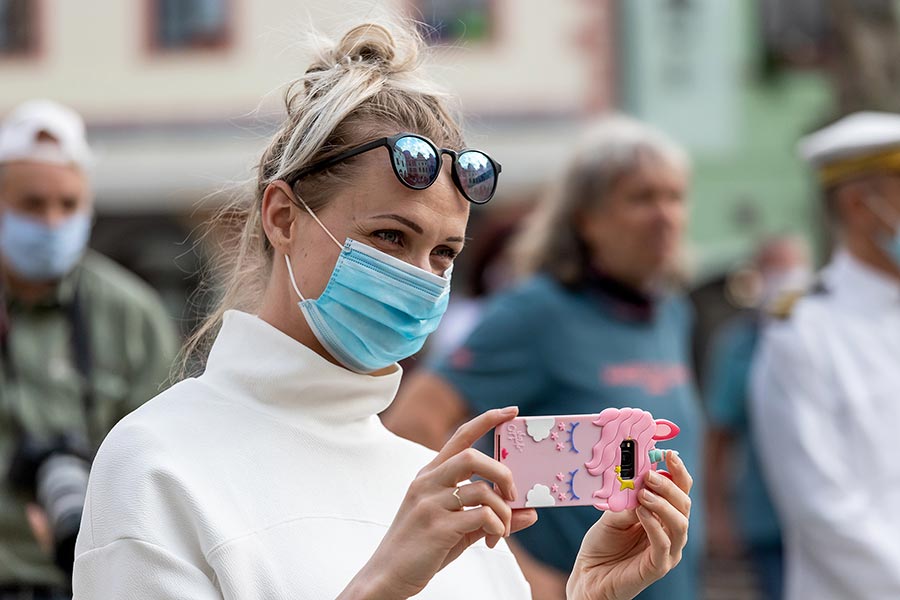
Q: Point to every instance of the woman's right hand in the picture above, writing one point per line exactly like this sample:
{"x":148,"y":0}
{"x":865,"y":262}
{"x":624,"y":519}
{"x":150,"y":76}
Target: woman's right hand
{"x":431,"y":529}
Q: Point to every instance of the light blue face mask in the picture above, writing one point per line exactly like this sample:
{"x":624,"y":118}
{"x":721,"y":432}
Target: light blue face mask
{"x":37,"y":252}
{"x":376,"y":309}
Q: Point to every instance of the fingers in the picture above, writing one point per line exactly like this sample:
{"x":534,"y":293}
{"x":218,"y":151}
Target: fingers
{"x":673,"y":521}
{"x":469,"y":433}
{"x":670,"y":491}
{"x":660,"y":544}
{"x":483,"y":520}
{"x":680,"y":475}
{"x":471,"y":462}
{"x":40,"y":526}
{"x":523,"y":519}
{"x":481,"y":493}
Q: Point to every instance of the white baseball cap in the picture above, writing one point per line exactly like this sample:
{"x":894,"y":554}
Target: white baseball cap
{"x":25,"y":131}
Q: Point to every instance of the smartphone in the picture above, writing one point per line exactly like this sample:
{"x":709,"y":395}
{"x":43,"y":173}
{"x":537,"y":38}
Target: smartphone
{"x":582,"y":460}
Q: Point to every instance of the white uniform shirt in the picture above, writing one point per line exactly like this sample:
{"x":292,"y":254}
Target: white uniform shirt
{"x":826,"y":409}
{"x":270,"y":476}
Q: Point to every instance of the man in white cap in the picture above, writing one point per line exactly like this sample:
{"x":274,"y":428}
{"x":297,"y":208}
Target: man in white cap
{"x":82,"y":342}
{"x":826,"y":383}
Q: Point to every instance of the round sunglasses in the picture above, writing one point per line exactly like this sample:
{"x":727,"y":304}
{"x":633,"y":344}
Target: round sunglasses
{"x":417,"y":163}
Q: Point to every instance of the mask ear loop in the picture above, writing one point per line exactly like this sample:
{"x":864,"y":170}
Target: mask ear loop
{"x":287,"y":259}
{"x":316,"y":219}
{"x":873,"y":203}
{"x":290,"y":269}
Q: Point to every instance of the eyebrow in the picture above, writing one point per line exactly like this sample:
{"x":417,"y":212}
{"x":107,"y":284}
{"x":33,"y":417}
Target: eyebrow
{"x":415,"y":226}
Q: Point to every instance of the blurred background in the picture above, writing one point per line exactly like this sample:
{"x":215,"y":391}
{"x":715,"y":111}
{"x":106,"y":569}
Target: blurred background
{"x":180,"y":97}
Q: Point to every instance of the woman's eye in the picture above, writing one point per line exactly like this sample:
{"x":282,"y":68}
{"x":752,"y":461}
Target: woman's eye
{"x":390,"y":236}
{"x":446,"y":252}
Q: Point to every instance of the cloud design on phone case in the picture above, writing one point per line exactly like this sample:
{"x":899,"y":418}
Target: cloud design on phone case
{"x":539,"y":427}
{"x":539,"y":496}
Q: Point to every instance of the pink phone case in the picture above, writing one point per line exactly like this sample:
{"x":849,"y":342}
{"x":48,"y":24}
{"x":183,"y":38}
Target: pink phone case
{"x":582,"y":460}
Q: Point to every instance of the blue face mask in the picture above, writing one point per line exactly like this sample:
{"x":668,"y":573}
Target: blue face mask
{"x":38,"y":252}
{"x":376,"y":309}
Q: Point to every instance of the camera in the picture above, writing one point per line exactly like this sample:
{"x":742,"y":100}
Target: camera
{"x":627,"y":460}
{"x":54,"y":472}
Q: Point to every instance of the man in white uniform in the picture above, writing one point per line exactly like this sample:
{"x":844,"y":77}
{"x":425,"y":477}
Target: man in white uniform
{"x":826,"y":382}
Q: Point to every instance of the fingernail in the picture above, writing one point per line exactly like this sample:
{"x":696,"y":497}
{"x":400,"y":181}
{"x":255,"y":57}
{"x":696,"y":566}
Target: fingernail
{"x":673,"y":458}
{"x":654,"y":478}
{"x":644,"y":512}
{"x":649,"y":497}
{"x":509,"y":410}
{"x":513,"y":493}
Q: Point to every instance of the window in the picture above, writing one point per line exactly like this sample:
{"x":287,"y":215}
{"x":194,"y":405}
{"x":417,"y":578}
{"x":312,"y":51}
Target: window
{"x":454,"y":21}
{"x":189,"y":24}
{"x":794,"y":34}
{"x":18,"y":27}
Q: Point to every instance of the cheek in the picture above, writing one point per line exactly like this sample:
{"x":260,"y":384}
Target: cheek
{"x":313,"y":265}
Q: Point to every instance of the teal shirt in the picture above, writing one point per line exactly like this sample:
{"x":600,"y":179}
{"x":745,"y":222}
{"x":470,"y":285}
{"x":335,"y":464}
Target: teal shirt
{"x":727,"y":383}
{"x":552,"y":350}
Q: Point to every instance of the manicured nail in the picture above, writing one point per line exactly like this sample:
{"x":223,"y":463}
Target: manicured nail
{"x":649,"y":497}
{"x":673,"y":458}
{"x":509,"y":410}
{"x":644,"y":512}
{"x":654,"y":478}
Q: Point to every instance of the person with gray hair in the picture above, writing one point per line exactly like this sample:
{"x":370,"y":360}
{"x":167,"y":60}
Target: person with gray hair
{"x":594,"y":325}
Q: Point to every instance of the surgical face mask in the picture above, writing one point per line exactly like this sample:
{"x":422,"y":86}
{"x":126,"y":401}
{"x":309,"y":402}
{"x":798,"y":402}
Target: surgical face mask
{"x":376,"y":309}
{"x":36,"y":251}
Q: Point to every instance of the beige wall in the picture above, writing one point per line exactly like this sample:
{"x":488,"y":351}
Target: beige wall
{"x":94,"y":57}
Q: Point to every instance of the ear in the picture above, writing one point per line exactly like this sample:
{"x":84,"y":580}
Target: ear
{"x":665,"y":430}
{"x":278,"y":214}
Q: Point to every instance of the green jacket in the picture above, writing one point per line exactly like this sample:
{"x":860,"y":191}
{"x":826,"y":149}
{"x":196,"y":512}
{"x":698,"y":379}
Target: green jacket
{"x":132,"y":343}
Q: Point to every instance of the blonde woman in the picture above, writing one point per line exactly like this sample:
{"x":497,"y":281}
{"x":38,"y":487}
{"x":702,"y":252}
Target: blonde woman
{"x":270,"y":475}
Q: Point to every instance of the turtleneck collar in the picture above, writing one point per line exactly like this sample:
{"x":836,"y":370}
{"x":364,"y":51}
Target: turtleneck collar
{"x":625,"y":301}
{"x":255,"y":363}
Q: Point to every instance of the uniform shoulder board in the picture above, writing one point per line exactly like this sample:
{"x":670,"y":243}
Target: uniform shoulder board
{"x":783,"y":306}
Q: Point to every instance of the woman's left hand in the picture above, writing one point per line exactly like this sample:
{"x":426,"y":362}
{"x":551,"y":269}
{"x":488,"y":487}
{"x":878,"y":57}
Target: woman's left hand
{"x":624,"y":552}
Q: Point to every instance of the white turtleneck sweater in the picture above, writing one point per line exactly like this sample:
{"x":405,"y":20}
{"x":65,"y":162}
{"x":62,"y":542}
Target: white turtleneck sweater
{"x":270,"y":476}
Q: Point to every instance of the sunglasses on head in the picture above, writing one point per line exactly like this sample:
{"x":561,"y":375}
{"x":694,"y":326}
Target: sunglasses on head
{"x":417,"y":163}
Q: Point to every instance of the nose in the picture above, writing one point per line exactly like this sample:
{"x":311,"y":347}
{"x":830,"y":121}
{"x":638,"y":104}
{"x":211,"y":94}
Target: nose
{"x":670,"y":210}
{"x":422,"y":262}
{"x":55,"y":216}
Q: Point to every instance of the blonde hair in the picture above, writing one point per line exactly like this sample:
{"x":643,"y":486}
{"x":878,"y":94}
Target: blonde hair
{"x":368,"y":84}
{"x":614,"y":146}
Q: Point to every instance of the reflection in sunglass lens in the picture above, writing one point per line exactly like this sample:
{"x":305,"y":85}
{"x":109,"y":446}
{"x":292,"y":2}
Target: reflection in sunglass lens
{"x":416,"y":162}
{"x":476,"y":172}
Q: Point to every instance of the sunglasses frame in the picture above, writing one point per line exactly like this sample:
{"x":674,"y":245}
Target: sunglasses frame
{"x":391,"y":144}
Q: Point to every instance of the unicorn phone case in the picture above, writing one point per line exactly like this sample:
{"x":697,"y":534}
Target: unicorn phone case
{"x":582,"y":460}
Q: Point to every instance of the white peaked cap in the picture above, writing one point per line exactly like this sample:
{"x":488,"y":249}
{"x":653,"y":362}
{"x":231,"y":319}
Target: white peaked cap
{"x":855,"y":135}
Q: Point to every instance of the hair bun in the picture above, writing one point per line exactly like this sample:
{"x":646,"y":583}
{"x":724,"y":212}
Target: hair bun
{"x":368,"y":43}
{"x":371,"y":46}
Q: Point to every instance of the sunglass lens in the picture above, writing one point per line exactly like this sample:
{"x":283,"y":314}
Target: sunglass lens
{"x":477,"y":175}
{"x":415,"y":161}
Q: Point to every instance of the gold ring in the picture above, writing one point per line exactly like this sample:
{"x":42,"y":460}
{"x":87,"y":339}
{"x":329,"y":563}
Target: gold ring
{"x":458,"y":499}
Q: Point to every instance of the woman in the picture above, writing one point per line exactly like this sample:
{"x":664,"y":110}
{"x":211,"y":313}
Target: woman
{"x":270,"y":476}
{"x":594,"y":325}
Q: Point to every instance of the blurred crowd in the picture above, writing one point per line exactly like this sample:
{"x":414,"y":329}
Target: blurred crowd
{"x":577,"y":303}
